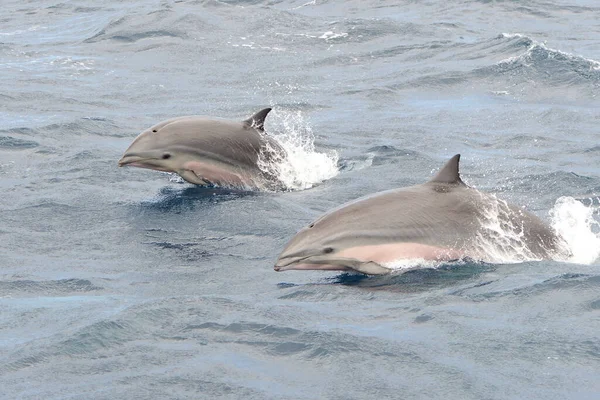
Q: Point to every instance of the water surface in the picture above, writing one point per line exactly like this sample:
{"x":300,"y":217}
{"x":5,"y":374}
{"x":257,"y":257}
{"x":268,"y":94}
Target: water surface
{"x":125,"y":283}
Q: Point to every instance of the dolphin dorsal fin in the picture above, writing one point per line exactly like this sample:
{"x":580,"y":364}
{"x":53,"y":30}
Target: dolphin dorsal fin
{"x":449,"y":173}
{"x":257,"y":121}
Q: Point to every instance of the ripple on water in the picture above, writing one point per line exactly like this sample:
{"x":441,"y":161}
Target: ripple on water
{"x":155,"y":25}
{"x":13,"y":143}
{"x":499,"y":288}
{"x":53,"y":287}
{"x":281,"y":340}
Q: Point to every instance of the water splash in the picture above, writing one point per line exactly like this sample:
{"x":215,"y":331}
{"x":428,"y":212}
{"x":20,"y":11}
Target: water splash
{"x":501,"y":238}
{"x":405,"y":265}
{"x":302,"y":166}
{"x":575,"y":222}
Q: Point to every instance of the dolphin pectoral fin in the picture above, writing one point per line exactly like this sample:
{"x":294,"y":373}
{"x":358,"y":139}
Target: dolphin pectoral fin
{"x":191,"y":177}
{"x":257,"y":121}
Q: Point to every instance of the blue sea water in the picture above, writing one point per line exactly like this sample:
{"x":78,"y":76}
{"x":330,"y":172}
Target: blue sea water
{"x":123,"y":283}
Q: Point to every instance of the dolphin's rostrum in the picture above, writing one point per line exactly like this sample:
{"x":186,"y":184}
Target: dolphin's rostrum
{"x":441,"y":220}
{"x":204,"y":150}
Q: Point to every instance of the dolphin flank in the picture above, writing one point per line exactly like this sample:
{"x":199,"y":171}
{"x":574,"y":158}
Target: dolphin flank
{"x":440,"y":220}
{"x":208,"y":151}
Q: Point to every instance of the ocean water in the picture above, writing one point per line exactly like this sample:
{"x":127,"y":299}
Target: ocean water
{"x":123,"y":283}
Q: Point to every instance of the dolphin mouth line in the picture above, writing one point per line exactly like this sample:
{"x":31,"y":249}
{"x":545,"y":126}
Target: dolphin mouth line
{"x":135,"y":161}
{"x":284,"y":266}
{"x":130,"y":160}
{"x":291,"y":264}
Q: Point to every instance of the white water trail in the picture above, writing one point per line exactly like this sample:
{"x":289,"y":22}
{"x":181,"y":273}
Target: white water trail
{"x":303,"y":166}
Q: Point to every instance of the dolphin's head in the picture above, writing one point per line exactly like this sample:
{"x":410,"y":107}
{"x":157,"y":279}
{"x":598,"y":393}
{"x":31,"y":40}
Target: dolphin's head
{"x":339,"y":241}
{"x":311,"y":248}
{"x":155,"y":148}
{"x":315,"y":248}
{"x":203,"y":150}
{"x":304,"y":248}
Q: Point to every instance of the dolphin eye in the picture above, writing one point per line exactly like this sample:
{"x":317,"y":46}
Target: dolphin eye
{"x":311,"y":225}
{"x":154,"y":130}
{"x":166,"y":156}
{"x":328,"y":250}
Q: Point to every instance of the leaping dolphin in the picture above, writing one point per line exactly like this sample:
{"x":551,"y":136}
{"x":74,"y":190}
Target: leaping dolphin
{"x":205,"y":150}
{"x":441,"y":220}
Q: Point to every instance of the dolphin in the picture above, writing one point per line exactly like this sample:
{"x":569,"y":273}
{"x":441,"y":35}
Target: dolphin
{"x":440,"y":220}
{"x":208,"y":151}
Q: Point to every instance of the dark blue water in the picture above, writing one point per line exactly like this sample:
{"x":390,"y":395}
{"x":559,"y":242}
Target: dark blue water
{"x":122,"y":283}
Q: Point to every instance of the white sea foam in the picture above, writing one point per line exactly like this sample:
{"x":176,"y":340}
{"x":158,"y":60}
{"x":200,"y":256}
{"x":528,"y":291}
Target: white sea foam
{"x":511,"y":35}
{"x":575,"y":222}
{"x":329,"y":35}
{"x":303,"y":166}
{"x":310,"y":3}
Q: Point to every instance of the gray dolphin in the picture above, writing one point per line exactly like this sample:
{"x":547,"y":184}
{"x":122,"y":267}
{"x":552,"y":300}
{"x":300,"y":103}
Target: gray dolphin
{"x":205,"y":150}
{"x":441,"y":220}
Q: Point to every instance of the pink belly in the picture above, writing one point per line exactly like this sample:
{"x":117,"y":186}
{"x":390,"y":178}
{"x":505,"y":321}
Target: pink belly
{"x":390,"y":252}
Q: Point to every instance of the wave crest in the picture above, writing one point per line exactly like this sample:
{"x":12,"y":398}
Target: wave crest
{"x":550,"y":64}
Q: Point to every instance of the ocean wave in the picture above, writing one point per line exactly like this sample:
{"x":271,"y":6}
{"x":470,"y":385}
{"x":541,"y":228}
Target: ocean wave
{"x":534,"y":64}
{"x":85,"y":125}
{"x":97,"y":336}
{"x":54,"y":287}
{"x":553,"y":65}
{"x":502,"y":288}
{"x":13,"y":143}
{"x":378,"y":155}
{"x":549,"y":185}
{"x":156,"y":24}
{"x":281,"y":340}
{"x":190,"y":252}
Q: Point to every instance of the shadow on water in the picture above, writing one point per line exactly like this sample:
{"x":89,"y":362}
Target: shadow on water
{"x":177,"y":200}
{"x":417,"y":279}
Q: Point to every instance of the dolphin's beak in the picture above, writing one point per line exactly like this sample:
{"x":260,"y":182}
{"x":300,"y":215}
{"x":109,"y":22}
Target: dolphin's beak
{"x":300,"y":263}
{"x":285,"y":263}
{"x":130,"y":158}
